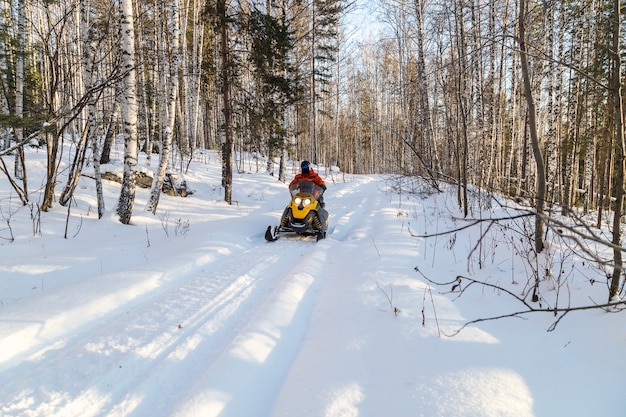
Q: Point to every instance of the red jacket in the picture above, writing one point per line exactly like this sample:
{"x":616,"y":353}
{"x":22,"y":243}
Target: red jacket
{"x":311,"y":176}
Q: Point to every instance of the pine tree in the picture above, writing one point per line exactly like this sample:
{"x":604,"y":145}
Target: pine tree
{"x":272,"y":42}
{"x":324,"y":33}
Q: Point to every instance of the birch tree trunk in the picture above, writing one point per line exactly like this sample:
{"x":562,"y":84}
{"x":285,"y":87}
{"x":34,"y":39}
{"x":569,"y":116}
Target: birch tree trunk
{"x":19,"y":88}
{"x":76,"y":167}
{"x":88,"y":65}
{"x":5,"y":133}
{"x":166,"y":146}
{"x":129,"y":112}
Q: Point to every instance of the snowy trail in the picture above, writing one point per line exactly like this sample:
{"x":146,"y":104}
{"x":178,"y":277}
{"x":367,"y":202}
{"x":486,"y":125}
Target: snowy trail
{"x":239,"y":315}
{"x":325,"y":364}
{"x":138,"y":322}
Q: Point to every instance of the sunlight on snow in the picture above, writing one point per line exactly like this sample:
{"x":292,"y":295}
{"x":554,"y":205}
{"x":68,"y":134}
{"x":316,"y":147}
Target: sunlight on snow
{"x":126,"y":406}
{"x":181,"y":351}
{"x":210,"y":404}
{"x":40,"y":354}
{"x":18,"y":342}
{"x":89,"y":403}
{"x":344,"y":401}
{"x":30,"y":269}
{"x":412,"y":299}
{"x":488,"y":392}
{"x":255,"y":346}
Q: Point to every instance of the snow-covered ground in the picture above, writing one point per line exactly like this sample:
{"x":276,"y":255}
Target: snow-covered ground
{"x":191,"y":313}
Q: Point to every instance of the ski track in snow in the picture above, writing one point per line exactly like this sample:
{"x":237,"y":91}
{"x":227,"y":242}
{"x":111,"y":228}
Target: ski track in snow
{"x":239,"y":315}
{"x":355,"y":234}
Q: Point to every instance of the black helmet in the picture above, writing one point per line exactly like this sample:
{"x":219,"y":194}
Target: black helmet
{"x":305,"y":165}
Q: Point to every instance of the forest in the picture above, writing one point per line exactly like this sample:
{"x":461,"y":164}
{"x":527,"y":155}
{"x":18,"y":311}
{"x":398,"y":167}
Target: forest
{"x":517,"y":97}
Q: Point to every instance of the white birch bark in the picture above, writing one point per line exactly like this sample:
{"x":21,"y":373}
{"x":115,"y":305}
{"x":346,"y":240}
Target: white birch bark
{"x":5,"y":133}
{"x":187,"y":141}
{"x":157,"y":182}
{"x":129,"y":112}
{"x":89,"y":81}
{"x":196,"y":74}
{"x":19,"y":85}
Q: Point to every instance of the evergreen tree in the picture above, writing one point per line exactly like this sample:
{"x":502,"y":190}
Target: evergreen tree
{"x":324,"y":34}
{"x":272,"y":42}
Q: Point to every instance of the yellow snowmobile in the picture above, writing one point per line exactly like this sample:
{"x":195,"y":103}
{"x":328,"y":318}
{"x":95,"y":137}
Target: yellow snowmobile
{"x":305,"y":214}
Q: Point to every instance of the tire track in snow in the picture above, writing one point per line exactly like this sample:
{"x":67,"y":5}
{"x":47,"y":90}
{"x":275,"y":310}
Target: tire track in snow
{"x":254,"y":365}
{"x":321,"y":363}
{"x":145,"y":342}
{"x":359,"y":205}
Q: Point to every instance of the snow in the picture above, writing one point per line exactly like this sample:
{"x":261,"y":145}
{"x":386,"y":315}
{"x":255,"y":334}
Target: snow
{"x":191,"y":313}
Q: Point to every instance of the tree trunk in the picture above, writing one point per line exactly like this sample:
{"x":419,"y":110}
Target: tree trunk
{"x":166,"y":146}
{"x":534,"y":137}
{"x":89,"y":82}
{"x":619,"y":156}
{"x":19,"y":84}
{"x":129,"y":113}
{"x":227,"y":144}
{"x":313,"y":104}
{"x":5,"y":132}
{"x":76,"y":168}
{"x":109,"y":135}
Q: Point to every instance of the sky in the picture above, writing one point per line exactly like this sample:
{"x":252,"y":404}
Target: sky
{"x":361,"y":22}
{"x":190,"y":312}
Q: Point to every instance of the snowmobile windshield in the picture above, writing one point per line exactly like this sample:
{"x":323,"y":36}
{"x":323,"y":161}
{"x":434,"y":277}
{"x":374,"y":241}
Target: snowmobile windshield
{"x":308,"y":187}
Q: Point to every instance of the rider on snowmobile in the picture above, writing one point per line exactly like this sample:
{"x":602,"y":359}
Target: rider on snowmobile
{"x":310,"y":175}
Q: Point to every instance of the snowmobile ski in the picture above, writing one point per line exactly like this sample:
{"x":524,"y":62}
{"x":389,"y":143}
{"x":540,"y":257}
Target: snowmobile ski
{"x":269,"y":236}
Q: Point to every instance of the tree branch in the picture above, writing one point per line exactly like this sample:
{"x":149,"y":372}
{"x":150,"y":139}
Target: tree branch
{"x":556,"y":311}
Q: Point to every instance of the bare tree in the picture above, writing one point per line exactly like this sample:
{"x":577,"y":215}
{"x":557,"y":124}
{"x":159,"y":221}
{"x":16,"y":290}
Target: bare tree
{"x":620,"y":148}
{"x":225,"y":72}
{"x":532,"y":126}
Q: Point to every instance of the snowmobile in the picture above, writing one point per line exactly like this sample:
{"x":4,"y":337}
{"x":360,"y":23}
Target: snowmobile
{"x":304,"y":215}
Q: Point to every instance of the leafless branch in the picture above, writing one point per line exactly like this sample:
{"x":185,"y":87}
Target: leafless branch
{"x":559,"y":313}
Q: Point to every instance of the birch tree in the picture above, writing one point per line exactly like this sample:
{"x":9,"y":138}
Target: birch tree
{"x":89,"y":66}
{"x":172,"y":97}
{"x":128,"y":112}
{"x":19,"y":86}
{"x":5,"y":111}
